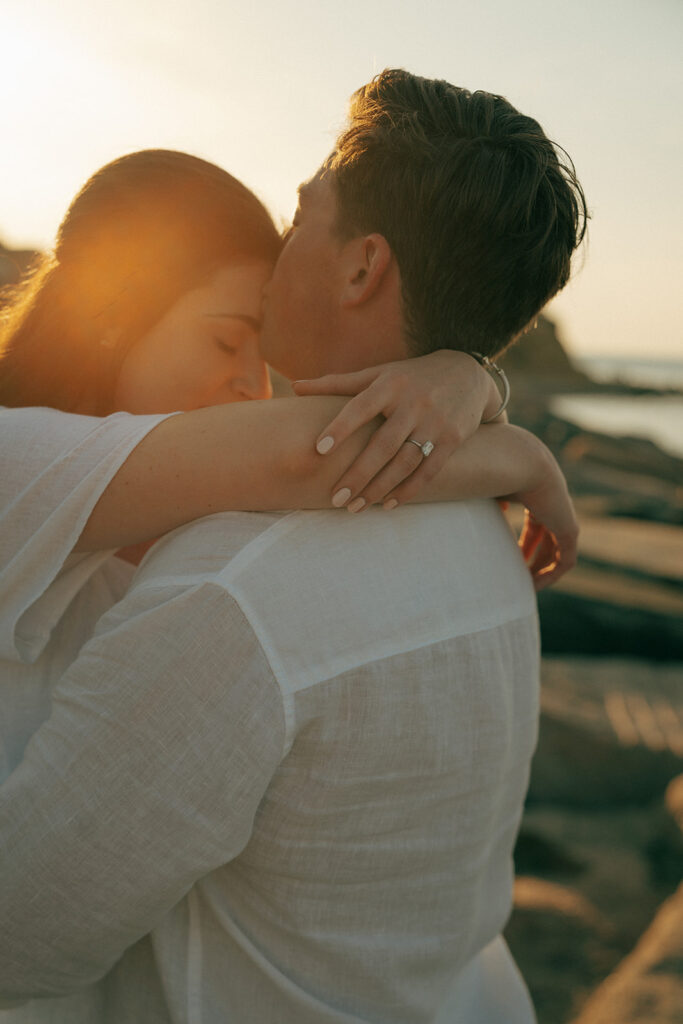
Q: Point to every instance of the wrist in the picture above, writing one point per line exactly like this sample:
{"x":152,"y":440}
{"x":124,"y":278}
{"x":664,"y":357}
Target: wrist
{"x":541,"y":469}
{"x":492,"y":393}
{"x":495,"y":406}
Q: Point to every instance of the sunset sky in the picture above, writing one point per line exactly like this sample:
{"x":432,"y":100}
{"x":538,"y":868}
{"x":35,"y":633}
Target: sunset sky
{"x":261,"y":88}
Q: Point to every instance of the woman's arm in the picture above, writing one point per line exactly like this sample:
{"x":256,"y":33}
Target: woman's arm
{"x":258,"y":455}
{"x":246,"y":455}
{"x":264,"y":455}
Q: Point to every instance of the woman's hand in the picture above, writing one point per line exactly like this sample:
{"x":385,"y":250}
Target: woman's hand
{"x":514,"y":465}
{"x":441,"y":398}
{"x":550,"y":534}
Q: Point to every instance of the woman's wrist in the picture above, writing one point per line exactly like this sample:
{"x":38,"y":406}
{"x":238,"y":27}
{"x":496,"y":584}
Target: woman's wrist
{"x":535,"y":462}
{"x":498,"y":392}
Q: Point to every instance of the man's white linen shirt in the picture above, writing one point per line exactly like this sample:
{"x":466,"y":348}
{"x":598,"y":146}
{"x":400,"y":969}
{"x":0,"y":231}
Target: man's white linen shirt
{"x":296,"y":755}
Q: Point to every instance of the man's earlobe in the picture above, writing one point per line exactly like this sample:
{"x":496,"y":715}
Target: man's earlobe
{"x":372,"y":258}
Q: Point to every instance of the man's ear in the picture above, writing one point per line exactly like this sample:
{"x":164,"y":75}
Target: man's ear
{"x":370,"y":259}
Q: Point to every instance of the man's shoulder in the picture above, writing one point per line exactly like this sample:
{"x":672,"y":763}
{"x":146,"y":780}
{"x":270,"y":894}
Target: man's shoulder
{"x":242,"y":548}
{"x":326,"y":591}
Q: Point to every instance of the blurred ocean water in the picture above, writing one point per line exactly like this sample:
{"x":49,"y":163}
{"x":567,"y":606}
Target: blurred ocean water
{"x":659,"y":418}
{"x":656,"y":373}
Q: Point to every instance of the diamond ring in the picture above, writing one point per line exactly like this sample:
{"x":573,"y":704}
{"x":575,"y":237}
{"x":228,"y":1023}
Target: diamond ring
{"x":425,"y":447}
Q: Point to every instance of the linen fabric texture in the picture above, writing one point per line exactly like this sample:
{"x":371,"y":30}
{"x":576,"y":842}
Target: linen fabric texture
{"x":54,"y":467}
{"x":283,"y":781}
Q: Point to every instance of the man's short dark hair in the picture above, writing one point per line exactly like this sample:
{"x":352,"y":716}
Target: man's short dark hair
{"x":481,"y":210}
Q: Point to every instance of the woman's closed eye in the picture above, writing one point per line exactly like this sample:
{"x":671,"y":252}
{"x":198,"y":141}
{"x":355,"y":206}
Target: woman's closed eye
{"x":225,"y":346}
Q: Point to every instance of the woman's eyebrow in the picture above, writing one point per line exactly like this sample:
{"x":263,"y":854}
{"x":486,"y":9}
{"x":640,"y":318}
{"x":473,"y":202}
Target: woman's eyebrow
{"x":250,"y":321}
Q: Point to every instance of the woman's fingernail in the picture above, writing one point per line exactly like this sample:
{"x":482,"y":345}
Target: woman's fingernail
{"x":389,"y":504}
{"x":341,"y":497}
{"x":324,"y":445}
{"x":356,"y":505}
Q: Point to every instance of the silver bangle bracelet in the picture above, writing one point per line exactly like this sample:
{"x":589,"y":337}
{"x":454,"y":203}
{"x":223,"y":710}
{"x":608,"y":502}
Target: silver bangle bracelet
{"x":492,"y":368}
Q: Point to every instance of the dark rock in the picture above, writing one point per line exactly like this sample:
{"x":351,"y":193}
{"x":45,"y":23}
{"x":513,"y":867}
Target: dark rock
{"x":665,"y":846}
{"x":581,"y":767}
{"x":611,"y":733}
{"x":575,"y":623}
{"x":567,"y":938}
{"x":630,"y":454}
{"x":536,"y":854}
{"x":647,"y":987}
{"x":540,"y":356}
{"x":562,"y":945}
{"x":637,"y":477}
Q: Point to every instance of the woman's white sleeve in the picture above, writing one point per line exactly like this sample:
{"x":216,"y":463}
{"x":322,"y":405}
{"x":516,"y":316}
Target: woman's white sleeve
{"x":54,"y":467}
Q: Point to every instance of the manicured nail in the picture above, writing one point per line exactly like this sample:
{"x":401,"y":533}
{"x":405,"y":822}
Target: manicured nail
{"x":323,"y":446}
{"x":389,"y":504}
{"x":356,"y":505}
{"x":341,"y":497}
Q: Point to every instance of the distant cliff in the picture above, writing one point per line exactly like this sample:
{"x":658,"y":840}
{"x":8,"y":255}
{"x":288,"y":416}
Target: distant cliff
{"x":539,"y":355}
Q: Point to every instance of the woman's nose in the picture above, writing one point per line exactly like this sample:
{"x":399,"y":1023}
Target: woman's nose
{"x":252,"y":380}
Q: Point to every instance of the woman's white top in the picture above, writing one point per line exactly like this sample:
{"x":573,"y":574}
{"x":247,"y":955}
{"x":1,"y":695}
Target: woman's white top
{"x":53,"y":469}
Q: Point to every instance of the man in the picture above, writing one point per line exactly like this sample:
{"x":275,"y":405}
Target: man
{"x":284,"y":781}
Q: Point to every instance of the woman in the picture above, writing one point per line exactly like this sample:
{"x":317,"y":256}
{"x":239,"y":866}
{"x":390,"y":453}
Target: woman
{"x":150,"y":305}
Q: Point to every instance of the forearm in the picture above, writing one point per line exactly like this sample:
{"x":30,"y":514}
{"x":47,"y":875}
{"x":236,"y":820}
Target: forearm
{"x":500,"y":460}
{"x":250,"y":455}
{"x":260,"y":456}
{"x":504,"y":461}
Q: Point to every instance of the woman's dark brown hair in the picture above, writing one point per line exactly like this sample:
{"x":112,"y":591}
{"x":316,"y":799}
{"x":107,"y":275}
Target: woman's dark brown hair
{"x":142,"y":231}
{"x":481,"y":210}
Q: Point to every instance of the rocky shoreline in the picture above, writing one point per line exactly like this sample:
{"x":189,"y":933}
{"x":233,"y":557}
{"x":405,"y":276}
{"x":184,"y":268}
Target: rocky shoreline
{"x":597,"y":927}
{"x":600,"y":851}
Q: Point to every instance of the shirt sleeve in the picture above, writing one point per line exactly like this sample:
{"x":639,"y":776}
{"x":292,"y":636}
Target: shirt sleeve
{"x":54,"y":467}
{"x":163,"y":738}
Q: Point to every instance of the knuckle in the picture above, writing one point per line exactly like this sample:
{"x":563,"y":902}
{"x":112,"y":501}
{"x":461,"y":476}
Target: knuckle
{"x":456,"y":435}
{"x":424,"y":407}
{"x":374,"y":388}
{"x":400,"y":380}
{"x":363,"y":397}
{"x":440,"y":426}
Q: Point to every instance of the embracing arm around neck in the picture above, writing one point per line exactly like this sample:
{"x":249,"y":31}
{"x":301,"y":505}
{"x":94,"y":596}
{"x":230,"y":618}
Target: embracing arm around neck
{"x":261,"y":455}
